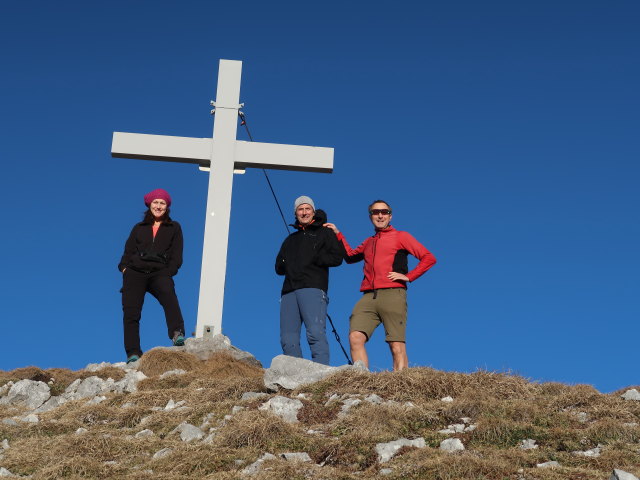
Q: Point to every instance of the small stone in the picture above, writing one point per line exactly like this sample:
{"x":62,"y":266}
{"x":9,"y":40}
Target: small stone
{"x":81,"y":430}
{"x":465,"y":419}
{"x":189,"y":432}
{"x":528,"y":444}
{"x":239,"y":462}
{"x":296,"y":457}
{"x":386,"y":451}
{"x":386,"y":471}
{"x":285,"y":408}
{"x":582,"y":417}
{"x":31,"y":418}
{"x":253,"y":395}
{"x":470,"y":428}
{"x":9,"y":421}
{"x":144,"y":433}
{"x":110,"y":462}
{"x":177,"y":371}
{"x":551,"y":464}
{"x":5,"y":444}
{"x":373,"y":398}
{"x":257,"y":465}
{"x":632,"y":394}
{"x":447,"y":399}
{"x":314,"y":432}
{"x":236,"y":409}
{"x":594,"y":452}
{"x":451,"y":445}
{"x":162,"y":453}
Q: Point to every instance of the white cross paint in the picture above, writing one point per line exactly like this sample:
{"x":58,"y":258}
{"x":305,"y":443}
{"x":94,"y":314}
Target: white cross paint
{"x":223,"y":154}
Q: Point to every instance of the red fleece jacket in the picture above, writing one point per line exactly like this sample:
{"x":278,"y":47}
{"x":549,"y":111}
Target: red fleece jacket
{"x":380,"y":254}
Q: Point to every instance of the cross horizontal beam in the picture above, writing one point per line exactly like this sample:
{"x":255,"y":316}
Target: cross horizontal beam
{"x":198,"y":151}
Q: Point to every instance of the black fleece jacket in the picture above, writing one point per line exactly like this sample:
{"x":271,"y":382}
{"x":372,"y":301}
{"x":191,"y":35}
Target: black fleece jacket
{"x":144,"y":253}
{"x":306,"y":255}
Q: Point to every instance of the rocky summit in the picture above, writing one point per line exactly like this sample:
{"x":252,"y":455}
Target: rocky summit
{"x":210,"y":411}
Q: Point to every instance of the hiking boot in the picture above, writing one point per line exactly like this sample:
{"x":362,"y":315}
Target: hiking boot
{"x":133,"y":358}
{"x":178,"y":339}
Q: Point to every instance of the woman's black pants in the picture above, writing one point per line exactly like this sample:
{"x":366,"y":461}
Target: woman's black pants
{"x":134,"y":287}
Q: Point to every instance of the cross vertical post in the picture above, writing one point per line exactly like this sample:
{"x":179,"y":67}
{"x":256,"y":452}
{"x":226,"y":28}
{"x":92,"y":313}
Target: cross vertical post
{"x":216,"y":229}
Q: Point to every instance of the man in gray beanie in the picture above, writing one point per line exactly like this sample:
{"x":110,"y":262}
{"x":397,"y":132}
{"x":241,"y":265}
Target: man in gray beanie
{"x":304,"y":259}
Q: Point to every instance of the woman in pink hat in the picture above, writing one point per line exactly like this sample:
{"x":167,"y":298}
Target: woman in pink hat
{"x":152,"y":256}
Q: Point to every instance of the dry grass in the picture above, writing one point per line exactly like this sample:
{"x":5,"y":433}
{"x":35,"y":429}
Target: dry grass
{"x":505,"y":409}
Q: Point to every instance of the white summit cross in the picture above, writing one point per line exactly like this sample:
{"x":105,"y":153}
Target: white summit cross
{"x":223,"y":155}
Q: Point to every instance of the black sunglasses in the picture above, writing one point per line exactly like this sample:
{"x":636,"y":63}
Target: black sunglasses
{"x":378,"y":211}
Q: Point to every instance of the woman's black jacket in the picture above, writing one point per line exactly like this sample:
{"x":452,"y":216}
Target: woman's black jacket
{"x":306,"y":255}
{"x":146,"y":254}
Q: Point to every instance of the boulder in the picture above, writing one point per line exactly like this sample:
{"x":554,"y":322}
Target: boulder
{"x":291,"y":372}
{"x":27,"y":393}
{"x":204,"y":348}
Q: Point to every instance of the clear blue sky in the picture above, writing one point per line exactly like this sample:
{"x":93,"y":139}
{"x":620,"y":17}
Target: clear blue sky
{"x":504,"y":134}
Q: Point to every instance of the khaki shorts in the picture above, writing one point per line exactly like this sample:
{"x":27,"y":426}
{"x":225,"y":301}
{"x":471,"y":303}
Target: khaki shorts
{"x":389,"y":308}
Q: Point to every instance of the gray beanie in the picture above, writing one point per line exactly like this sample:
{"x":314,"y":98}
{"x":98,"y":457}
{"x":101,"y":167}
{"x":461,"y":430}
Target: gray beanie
{"x":303,"y":199}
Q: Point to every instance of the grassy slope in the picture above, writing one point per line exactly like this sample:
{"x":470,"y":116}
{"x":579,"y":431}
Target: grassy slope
{"x":505,"y":408}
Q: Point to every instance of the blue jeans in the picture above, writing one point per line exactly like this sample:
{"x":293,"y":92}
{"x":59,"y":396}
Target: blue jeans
{"x":308,"y":306}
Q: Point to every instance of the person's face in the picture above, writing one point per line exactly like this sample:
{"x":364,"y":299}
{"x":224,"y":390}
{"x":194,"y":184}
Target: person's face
{"x":158,"y":207}
{"x":379,"y":219}
{"x":304,"y":214}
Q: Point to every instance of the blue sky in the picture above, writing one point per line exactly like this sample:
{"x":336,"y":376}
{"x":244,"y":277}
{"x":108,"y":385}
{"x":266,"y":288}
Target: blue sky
{"x":504,"y":134}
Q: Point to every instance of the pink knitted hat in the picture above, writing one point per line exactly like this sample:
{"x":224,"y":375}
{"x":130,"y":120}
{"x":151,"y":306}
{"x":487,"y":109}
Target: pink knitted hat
{"x":157,"y":193}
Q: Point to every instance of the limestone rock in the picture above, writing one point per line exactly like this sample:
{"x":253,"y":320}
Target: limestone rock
{"x":386,"y":451}
{"x":177,"y":371}
{"x":144,"y":433}
{"x":253,"y":395}
{"x":204,"y":348}
{"x":188,"y":432}
{"x":27,"y":393}
{"x":446,"y":399}
{"x":631,"y":394}
{"x":285,"y":408}
{"x":256,"y":466}
{"x":6,"y":473}
{"x":53,"y":402}
{"x":291,"y":372}
{"x":31,"y":418}
{"x":551,"y":464}
{"x":594,"y":452}
{"x":622,"y":475}
{"x":296,"y":457}
{"x":528,"y":444}
{"x":4,"y":389}
{"x":162,"y":453}
{"x":451,"y":445}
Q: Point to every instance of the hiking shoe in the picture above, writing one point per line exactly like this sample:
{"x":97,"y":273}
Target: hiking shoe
{"x":133,"y":358}
{"x":178,"y":339}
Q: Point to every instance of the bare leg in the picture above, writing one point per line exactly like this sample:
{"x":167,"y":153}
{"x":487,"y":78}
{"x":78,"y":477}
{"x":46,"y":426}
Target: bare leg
{"x":358,"y":352}
{"x":399,"y":354}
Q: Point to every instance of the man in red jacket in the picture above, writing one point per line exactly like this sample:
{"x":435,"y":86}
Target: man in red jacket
{"x":384,"y":287}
